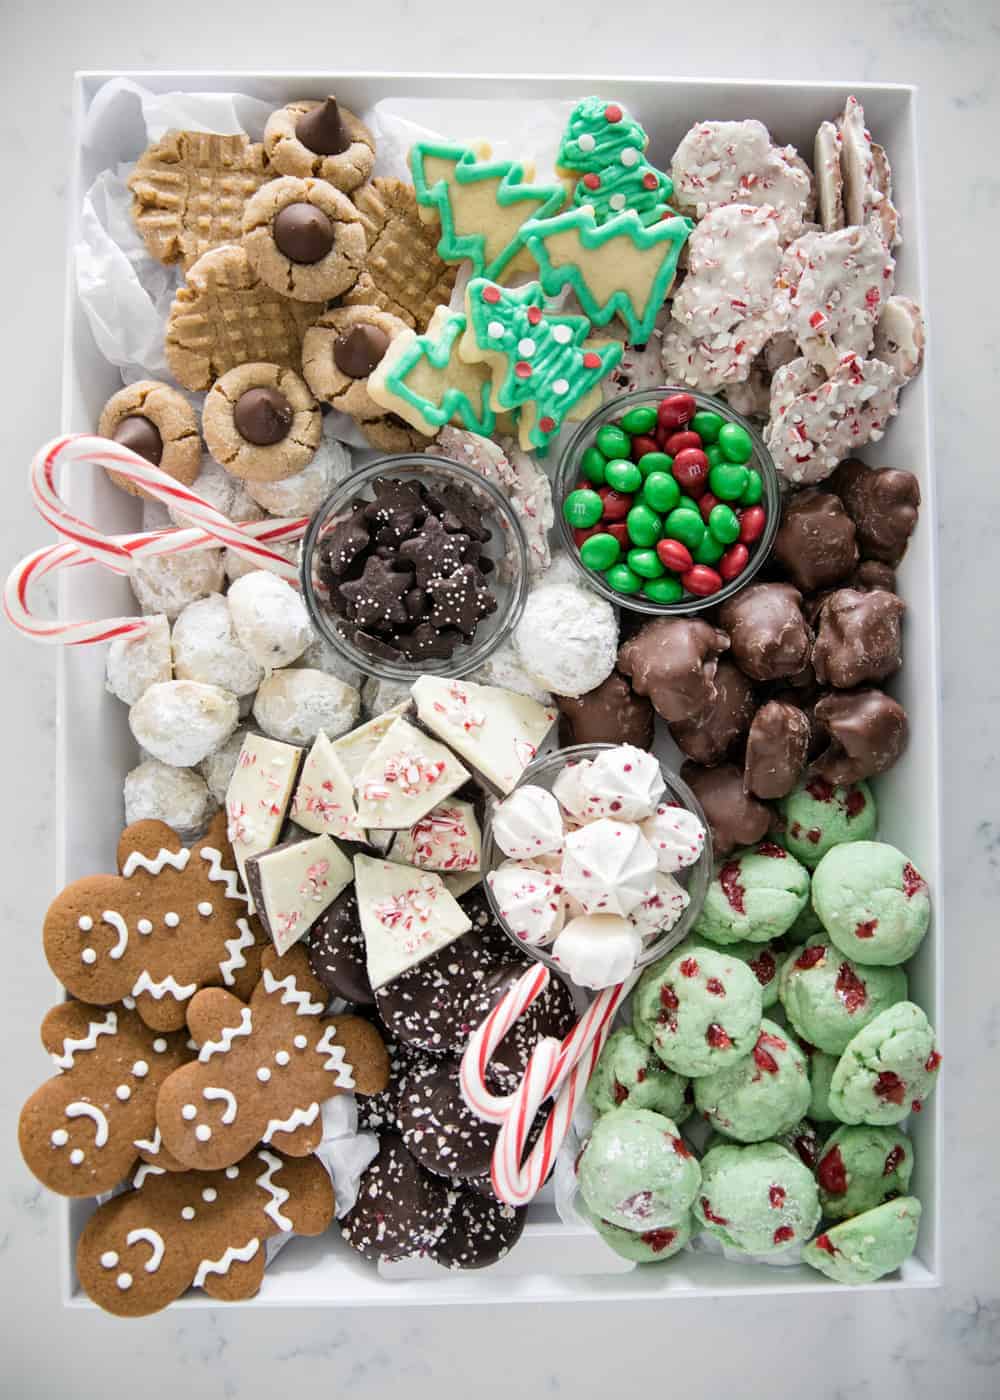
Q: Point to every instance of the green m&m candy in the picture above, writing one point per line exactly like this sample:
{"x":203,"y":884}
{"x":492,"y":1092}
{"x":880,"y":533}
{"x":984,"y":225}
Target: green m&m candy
{"x":621,"y":578}
{"x":641,"y":419}
{"x":592,"y":465}
{"x":688,"y":503}
{"x":612,"y":441}
{"x":600,"y":552}
{"x":661,"y":492}
{"x":644,"y":526}
{"x":753,"y":490}
{"x":655,"y":462}
{"x":736,"y":443}
{"x":583,"y":508}
{"x":707,"y":426}
{"x":622,"y":475}
{"x":663,"y":590}
{"x":645,"y":563}
{"x":714,"y":454}
{"x":727,"y":481}
{"x":724,"y":524}
{"x":710,"y":551}
{"x":686,"y":526}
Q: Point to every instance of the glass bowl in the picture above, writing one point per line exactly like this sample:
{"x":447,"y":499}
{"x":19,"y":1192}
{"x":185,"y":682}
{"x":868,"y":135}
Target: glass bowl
{"x":695,"y":878}
{"x":568,"y":474}
{"x":507,"y":548}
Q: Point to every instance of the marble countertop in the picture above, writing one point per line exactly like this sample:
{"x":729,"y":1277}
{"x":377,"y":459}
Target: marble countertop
{"x":881,"y":1345}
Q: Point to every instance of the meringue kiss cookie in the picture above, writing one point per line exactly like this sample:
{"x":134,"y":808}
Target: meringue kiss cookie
{"x":755,"y":895}
{"x":759,"y":1198}
{"x":623,"y":782}
{"x":568,"y":790}
{"x":636,"y":1170}
{"x":597,"y":950}
{"x":660,"y":907}
{"x":608,"y":866}
{"x":676,"y":836}
{"x":760,"y":1096}
{"x":528,"y":823}
{"x":869,"y":1246}
{"x":698,"y":1011}
{"x":530,"y":900}
{"x":873,"y":902}
{"x":888,"y":1069}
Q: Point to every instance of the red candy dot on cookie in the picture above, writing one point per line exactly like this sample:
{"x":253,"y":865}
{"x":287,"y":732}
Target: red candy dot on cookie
{"x":534,"y":315}
{"x":591,"y":360}
{"x":547,"y":425}
{"x":592,"y":182}
{"x":613,"y":113}
{"x":491,"y":294}
{"x":649,"y":180}
{"x":522,"y":369}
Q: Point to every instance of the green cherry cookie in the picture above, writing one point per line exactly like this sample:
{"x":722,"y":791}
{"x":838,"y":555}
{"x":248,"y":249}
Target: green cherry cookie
{"x":872,"y":901}
{"x":636,"y":1170}
{"x":868,"y":1246}
{"x":860,"y":1167}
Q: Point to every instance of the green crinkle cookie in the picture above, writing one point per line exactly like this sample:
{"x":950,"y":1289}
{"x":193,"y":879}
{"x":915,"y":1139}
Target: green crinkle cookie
{"x":760,"y":1198}
{"x":873,"y":902}
{"x":636,"y":1170}
{"x":763,"y":959}
{"x":860,"y":1167}
{"x":821,"y":1067}
{"x":888,"y":1069}
{"x":629,"y":1073}
{"x":647,"y":1247}
{"x":699,"y":1011}
{"x":828,"y":998}
{"x":819,"y":816}
{"x":869,"y":1246}
{"x":753,"y":896}
{"x":760,"y":1096}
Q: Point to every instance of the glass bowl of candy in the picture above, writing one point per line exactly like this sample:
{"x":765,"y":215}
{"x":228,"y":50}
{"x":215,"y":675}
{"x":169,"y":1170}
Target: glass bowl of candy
{"x":597,"y":862}
{"x":415,"y":566}
{"x":667,"y":501}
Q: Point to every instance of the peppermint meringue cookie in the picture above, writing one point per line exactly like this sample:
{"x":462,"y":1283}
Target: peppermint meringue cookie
{"x":528,"y":823}
{"x":660,"y":907}
{"x":530,"y":899}
{"x":624,"y":783}
{"x":597,"y":950}
{"x":608,"y":866}
{"x":569,"y":793}
{"x":676,"y":836}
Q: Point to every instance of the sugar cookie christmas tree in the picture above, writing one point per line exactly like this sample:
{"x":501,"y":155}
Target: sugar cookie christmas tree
{"x":424,"y":380}
{"x":481,"y":204}
{"x":607,"y":149}
{"x":542,"y":363}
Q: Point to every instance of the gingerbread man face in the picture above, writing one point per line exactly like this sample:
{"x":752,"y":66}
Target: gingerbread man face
{"x":82,"y":1131}
{"x":143,"y":1249}
{"x":174,"y":921}
{"x":264,"y":1069}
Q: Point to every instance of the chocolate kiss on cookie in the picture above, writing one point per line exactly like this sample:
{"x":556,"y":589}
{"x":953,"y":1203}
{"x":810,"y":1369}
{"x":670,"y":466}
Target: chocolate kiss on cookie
{"x":303,"y":233}
{"x":140,"y":435}
{"x":321,"y":129}
{"x":359,"y":350}
{"x":263,"y":416}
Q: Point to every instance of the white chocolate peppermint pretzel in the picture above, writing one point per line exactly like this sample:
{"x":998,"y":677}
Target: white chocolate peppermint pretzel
{"x":867,"y":177}
{"x":829,"y":178}
{"x":839,"y":283}
{"x":737,"y":163}
{"x":900,"y":337}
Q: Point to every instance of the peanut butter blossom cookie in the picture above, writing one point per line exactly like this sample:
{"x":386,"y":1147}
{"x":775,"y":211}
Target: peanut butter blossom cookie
{"x":699,"y":1011}
{"x":636,"y":1170}
{"x":760,"y":1198}
{"x":628,"y":1073}
{"x":818,"y":816}
{"x":869,"y":1246}
{"x":828,"y":998}
{"x":763,"y":1094}
{"x":873,"y":902}
{"x":754,"y":896}
{"x":860,"y":1167}
{"x":888,"y":1069}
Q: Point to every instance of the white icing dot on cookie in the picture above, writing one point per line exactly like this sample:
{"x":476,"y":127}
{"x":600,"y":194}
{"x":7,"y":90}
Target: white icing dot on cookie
{"x":88,"y":956}
{"x":586,"y":142}
{"x":629,"y":157}
{"x":617,"y":201}
{"x":171,"y":919}
{"x":204,"y":908}
{"x":76,"y":1156}
{"x":188,"y":1213}
{"x":124,"y":1281}
{"x":209,"y":1195}
{"x":495,"y":330}
{"x":140,"y":1069}
{"x":281,"y":1057}
{"x":123,"y":1092}
{"x":560,"y":386}
{"x":561,"y":335}
{"x":300,"y":1042}
{"x":159,"y":1045}
{"x":59,"y":1138}
{"x":85,"y":923}
{"x":232,"y":1173}
{"x":203,"y":1132}
{"x":109,"y":1259}
{"x":189,"y":1111}
{"x":263,"y":1074}
{"x":526,"y":347}
{"x":128,"y":1003}
{"x":145,"y":926}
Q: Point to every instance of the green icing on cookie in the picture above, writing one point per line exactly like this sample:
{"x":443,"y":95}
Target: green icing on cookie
{"x":860,"y":1167}
{"x":869,"y":1246}
{"x":760,"y":1198}
{"x":828,"y":998}
{"x":760,"y":1096}
{"x":596,"y":135}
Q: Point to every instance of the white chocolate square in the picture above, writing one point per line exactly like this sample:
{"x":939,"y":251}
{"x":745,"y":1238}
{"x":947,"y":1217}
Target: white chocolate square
{"x":407,"y":775}
{"x":497,"y":731}
{"x":258,"y":796}
{"x":406,"y":915}
{"x":446,"y":839}
{"x":324,"y":798}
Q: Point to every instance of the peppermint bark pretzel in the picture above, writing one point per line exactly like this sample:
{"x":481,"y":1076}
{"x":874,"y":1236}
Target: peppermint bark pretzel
{"x":264,"y":1069}
{"x":173,"y":921}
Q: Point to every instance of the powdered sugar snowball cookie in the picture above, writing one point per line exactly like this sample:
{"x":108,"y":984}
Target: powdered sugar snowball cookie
{"x":305,"y":492}
{"x":206,"y":649}
{"x":622,"y":782}
{"x":528,"y":823}
{"x":567,"y":638}
{"x":166,"y":583}
{"x":237,"y":565}
{"x":607,"y":866}
{"x":132,"y":664}
{"x":676,"y":835}
{"x":155,"y":791}
{"x":181,"y":722}
{"x":217,"y":769}
{"x":295,"y":705}
{"x":660,"y":907}
{"x":737,"y":163}
{"x":530,"y":900}
{"x":221,"y":490}
{"x":816,"y":423}
{"x":840,"y":282}
{"x":269,"y":618}
{"x":319,"y":655}
{"x":503,"y":668}
{"x":900,"y":337}
{"x":597,"y":950}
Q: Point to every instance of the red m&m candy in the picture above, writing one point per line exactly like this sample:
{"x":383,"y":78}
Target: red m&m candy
{"x":752,"y":522}
{"x":691,"y":470}
{"x":616,"y":503}
{"x":677,"y":442}
{"x":674,"y":556}
{"x":701,"y":581}
{"x":675,"y":410}
{"x":734,"y":561}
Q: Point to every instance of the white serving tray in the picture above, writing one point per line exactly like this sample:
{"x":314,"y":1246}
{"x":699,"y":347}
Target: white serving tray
{"x":95,"y":748}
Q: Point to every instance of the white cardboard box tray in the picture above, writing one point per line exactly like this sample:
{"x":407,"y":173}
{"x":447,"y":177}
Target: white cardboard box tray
{"x":95,"y":748}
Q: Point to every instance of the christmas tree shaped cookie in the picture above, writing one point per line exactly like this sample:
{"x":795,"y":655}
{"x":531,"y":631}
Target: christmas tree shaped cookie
{"x":481,"y":204}
{"x":424,"y":380}
{"x":605,"y":148}
{"x":541,"y":363}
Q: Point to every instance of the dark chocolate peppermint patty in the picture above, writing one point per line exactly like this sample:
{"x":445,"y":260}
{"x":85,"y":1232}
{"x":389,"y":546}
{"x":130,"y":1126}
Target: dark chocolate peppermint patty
{"x":337,"y":951}
{"x":438,"y":1128}
{"x":481,"y":1231}
{"x":402,"y":1210}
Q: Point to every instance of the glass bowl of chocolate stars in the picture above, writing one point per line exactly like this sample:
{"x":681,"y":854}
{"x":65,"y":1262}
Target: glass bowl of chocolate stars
{"x":415,"y":565}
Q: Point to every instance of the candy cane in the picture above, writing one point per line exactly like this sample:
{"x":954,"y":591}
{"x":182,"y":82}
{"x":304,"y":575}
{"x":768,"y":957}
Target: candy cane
{"x":85,"y":544}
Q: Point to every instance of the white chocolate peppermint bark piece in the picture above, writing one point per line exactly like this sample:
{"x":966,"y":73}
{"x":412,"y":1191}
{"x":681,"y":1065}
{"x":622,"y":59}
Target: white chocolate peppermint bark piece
{"x":406,"y":775}
{"x":355,"y":748}
{"x":324,"y":798}
{"x":867,"y":177}
{"x":736,"y":163}
{"x":841,"y":282}
{"x":497,"y":732}
{"x":406,"y":915}
{"x":900,"y":338}
{"x":446,"y":839}
{"x":815,"y":424}
{"x":258,"y":796}
{"x":293,"y":884}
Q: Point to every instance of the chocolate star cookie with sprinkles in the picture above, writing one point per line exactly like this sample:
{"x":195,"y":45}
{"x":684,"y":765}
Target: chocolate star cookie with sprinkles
{"x":376,"y":598}
{"x":460,"y":601}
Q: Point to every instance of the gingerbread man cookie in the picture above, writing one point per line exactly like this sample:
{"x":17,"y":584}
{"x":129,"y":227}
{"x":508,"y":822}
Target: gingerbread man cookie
{"x":142,"y":1250}
{"x":264,"y":1069}
{"x":321,"y":139}
{"x":174,"y":921}
{"x":82,"y":1131}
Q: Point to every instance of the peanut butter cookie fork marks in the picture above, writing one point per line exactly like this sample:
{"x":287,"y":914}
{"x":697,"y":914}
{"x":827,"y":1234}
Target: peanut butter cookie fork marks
{"x":541,"y":363}
{"x":481,"y":205}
